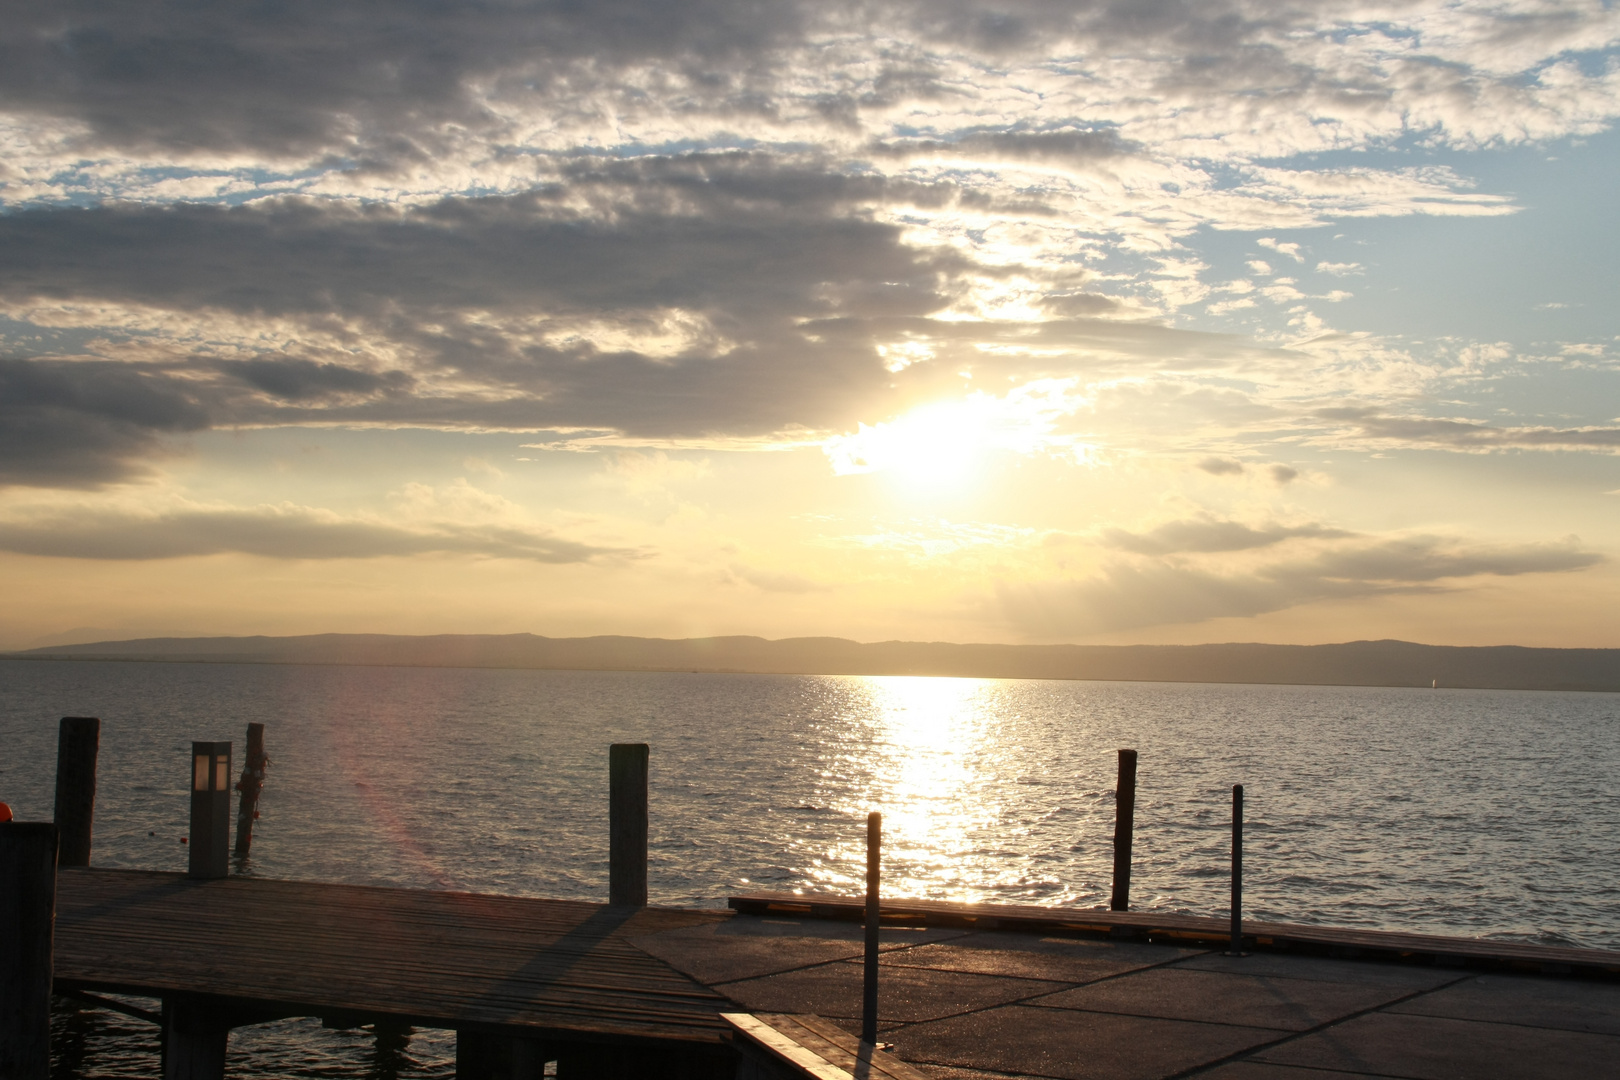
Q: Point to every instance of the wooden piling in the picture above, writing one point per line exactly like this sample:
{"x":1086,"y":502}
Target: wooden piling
{"x":627,"y":823}
{"x":251,"y":783}
{"x":1236,"y":948}
{"x":27,"y":921}
{"x":1124,"y":829}
{"x":194,"y":1038}
{"x":77,"y":741}
{"x":869,"y":985}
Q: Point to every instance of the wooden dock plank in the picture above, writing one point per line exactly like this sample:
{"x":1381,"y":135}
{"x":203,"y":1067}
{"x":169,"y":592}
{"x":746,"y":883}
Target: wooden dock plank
{"x":558,"y":968}
{"x":1191,"y":928}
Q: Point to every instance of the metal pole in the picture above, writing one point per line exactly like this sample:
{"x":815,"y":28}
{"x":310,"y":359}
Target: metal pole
{"x":1237,"y":871}
{"x":869,"y":994}
{"x":1124,"y":825}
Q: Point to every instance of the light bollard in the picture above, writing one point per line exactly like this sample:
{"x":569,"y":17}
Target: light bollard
{"x":210,"y":809}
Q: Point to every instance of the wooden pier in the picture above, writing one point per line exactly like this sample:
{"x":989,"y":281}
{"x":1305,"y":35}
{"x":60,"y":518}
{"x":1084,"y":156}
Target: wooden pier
{"x":244,"y":950}
{"x":1299,"y":938}
{"x":623,"y":991}
{"x":784,"y":986}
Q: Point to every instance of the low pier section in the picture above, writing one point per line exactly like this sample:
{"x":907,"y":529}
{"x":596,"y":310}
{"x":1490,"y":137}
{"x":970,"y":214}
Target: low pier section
{"x":232,"y":951}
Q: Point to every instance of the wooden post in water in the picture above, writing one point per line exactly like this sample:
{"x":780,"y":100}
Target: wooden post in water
{"x":210,"y":809}
{"x":1236,"y":948}
{"x":1124,"y":826}
{"x":77,"y":740}
{"x":27,"y":917}
{"x":251,"y":783}
{"x":194,"y":1038}
{"x":627,"y":823}
{"x":869,"y":986}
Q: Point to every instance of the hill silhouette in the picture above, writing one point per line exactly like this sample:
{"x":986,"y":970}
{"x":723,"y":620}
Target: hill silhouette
{"x":1355,"y":663}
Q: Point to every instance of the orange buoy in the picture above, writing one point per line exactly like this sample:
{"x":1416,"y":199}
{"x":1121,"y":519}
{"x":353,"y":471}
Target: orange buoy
{"x":5,"y":812}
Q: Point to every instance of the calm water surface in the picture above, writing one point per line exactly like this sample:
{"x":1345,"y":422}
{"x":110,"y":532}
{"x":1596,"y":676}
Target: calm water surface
{"x":1489,"y":813}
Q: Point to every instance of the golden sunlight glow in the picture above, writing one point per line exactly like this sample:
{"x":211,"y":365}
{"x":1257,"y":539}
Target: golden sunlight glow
{"x":941,"y":444}
{"x":934,"y":773}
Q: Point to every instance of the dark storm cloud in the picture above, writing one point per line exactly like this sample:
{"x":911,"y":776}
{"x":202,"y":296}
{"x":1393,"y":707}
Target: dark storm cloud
{"x":693,"y":231}
{"x":455,"y":290}
{"x":380,"y":81}
{"x":1205,"y":534}
{"x":478,"y":312}
{"x":1369,"y":423}
{"x":305,"y":380}
{"x":280,"y":533}
{"x":1068,"y":147}
{"x":302,"y":77}
{"x":1136,"y":594}
{"x":84,"y":425}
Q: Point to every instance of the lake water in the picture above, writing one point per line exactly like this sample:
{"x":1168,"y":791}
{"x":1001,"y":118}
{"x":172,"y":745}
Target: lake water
{"x":1482,"y":813}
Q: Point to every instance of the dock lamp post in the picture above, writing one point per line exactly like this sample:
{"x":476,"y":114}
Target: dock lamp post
{"x":210,"y":809}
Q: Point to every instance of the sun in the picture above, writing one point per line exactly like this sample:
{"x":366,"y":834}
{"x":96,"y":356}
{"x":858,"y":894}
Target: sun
{"x":945,"y":445}
{"x":933,"y":447}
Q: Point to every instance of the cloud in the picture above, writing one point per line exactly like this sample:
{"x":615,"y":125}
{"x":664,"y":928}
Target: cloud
{"x":1209,"y":534}
{"x":1279,"y":473}
{"x":1219,"y":466}
{"x":774,"y":581}
{"x":1129,"y":595}
{"x":277,"y":532}
{"x":1366,"y":423}
{"x":86,"y":425}
{"x":1289,"y":250}
{"x":1339,"y":269}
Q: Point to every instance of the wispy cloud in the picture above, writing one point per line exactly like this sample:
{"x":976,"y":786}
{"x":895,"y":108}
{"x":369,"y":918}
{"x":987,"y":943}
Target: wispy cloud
{"x":1140,"y":593}
{"x":1370,"y":424}
{"x":277,"y":532}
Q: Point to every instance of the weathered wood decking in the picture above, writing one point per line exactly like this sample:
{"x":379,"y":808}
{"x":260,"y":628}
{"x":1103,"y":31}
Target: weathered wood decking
{"x":542,"y":968}
{"x":1338,"y":941}
{"x":961,"y":995}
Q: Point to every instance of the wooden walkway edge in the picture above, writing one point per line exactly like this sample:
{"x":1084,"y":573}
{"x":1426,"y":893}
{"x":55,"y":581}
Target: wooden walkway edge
{"x":1291,"y":937}
{"x":543,"y":969}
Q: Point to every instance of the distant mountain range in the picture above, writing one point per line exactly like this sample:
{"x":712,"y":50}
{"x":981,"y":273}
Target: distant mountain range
{"x":1355,"y":663}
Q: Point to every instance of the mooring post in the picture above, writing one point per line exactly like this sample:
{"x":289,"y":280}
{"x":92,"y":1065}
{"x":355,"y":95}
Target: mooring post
{"x":210,"y":837}
{"x":251,"y":783}
{"x":27,"y":914}
{"x":194,"y":1038}
{"x":627,"y":823}
{"x":869,"y":988}
{"x":1124,"y":826}
{"x":77,"y":740}
{"x":1237,"y":871}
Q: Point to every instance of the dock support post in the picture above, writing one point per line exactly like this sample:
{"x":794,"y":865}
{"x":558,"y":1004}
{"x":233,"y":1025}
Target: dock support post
{"x":627,"y":823}
{"x":1124,"y":827}
{"x":869,"y":988}
{"x":27,"y":917}
{"x":251,"y":783}
{"x":210,"y":810}
{"x":194,"y":1038}
{"x":77,"y":740}
{"x":1236,"y":948}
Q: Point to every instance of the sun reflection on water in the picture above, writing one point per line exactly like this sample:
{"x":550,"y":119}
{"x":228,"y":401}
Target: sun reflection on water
{"x":921,"y":753}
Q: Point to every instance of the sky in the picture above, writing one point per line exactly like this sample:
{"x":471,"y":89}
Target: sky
{"x":1145,"y":321}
